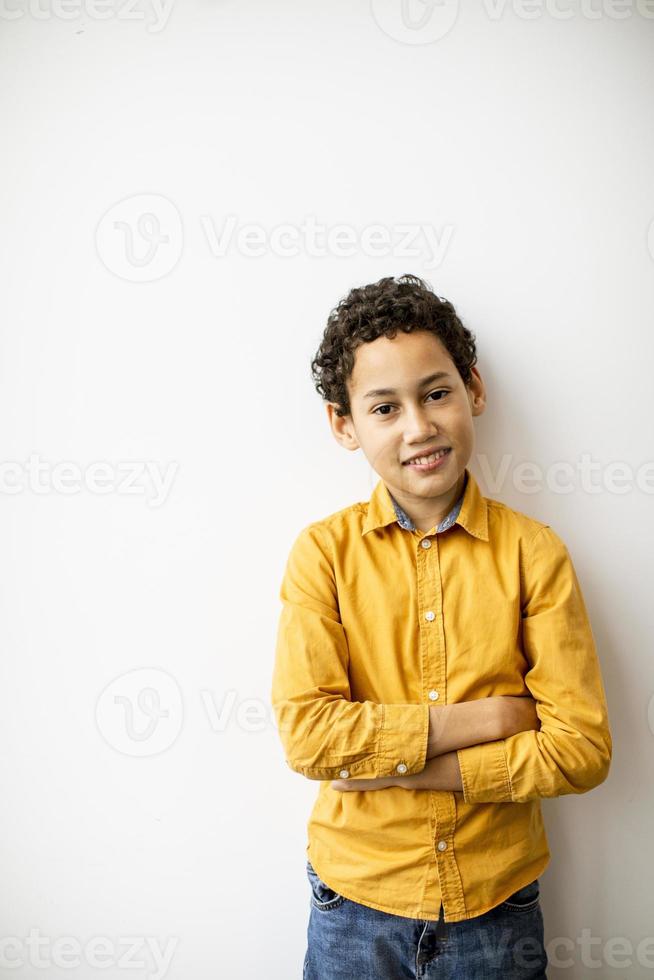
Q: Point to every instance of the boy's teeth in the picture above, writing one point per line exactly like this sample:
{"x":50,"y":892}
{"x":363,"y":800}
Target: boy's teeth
{"x":429,"y":459}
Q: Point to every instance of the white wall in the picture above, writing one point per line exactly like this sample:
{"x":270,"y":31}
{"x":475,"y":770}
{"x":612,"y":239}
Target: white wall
{"x":524,"y":145}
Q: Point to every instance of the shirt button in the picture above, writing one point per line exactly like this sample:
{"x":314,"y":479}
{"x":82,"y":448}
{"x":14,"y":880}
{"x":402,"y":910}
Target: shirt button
{"x":430,"y":615}
{"x":402,"y":767}
{"x":425,"y":543}
{"x":442,"y":845}
{"x":344,"y":773}
{"x":433,"y":695}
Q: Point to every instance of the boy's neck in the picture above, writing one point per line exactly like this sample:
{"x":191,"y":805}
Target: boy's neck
{"x":427,"y":513}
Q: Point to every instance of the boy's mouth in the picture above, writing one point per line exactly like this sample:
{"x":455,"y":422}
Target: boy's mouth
{"x":429,"y":462}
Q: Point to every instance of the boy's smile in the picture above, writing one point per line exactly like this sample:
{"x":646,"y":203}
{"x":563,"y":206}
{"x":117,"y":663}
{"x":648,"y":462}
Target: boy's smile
{"x":408,"y":400}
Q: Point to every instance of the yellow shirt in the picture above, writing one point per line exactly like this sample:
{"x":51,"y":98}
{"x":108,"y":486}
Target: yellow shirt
{"x":380,"y":622}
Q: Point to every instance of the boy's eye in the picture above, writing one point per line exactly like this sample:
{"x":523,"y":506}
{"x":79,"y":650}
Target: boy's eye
{"x":440,"y":391}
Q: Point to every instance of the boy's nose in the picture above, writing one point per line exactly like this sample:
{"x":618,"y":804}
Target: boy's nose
{"x":419,"y":433}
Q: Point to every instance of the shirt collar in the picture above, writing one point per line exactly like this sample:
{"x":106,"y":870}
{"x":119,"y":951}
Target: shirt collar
{"x":470,"y":511}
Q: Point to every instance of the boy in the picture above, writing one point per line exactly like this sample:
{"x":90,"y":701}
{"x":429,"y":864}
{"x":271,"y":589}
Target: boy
{"x":433,"y":644}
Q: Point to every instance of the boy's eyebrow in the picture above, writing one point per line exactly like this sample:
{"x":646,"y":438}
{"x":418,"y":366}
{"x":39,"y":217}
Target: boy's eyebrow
{"x":377,"y":392}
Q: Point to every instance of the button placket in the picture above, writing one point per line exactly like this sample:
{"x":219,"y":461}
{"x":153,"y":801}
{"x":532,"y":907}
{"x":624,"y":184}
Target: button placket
{"x":432,"y":634}
{"x":428,"y":571}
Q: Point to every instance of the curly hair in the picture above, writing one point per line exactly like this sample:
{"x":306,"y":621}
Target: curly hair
{"x":381,"y":309}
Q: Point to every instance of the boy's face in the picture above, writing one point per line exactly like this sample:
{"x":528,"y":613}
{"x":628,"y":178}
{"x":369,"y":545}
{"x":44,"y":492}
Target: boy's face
{"x":392,"y":427}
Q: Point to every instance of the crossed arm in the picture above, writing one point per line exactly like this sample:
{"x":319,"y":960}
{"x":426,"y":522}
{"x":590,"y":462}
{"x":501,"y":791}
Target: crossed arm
{"x":478,"y":748}
{"x":452,"y":727}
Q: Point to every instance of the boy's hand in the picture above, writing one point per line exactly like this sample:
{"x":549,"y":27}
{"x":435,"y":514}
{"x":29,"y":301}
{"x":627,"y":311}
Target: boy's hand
{"x":518,"y":714}
{"x":463,"y":723}
{"x":496,"y":717}
{"x":440,"y":773}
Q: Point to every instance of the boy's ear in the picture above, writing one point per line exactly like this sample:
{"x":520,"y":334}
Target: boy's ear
{"x":476,"y":392}
{"x":342,"y":427}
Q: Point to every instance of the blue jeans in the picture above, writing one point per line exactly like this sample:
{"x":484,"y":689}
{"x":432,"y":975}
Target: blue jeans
{"x":349,"y":941}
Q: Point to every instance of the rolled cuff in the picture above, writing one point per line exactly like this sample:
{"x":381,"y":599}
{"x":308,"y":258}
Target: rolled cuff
{"x":485,"y":773}
{"x":403,"y":739}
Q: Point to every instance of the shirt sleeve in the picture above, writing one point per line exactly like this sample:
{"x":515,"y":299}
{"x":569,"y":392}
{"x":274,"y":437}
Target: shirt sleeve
{"x":572,"y":751}
{"x":322,"y":730}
